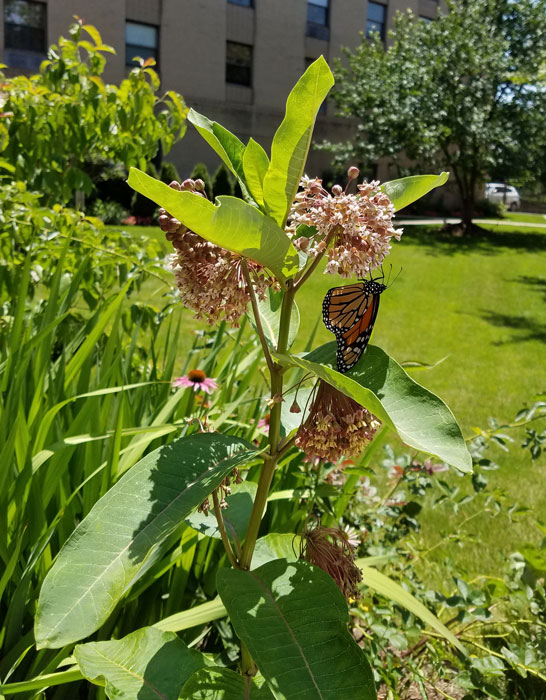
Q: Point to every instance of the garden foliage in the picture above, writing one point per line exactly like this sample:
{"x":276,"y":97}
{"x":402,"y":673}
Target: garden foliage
{"x":107,"y":474}
{"x":60,"y":126}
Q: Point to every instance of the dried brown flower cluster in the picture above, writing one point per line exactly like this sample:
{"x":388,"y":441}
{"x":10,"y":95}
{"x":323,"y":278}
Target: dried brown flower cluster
{"x":336,"y":426}
{"x":360,"y":225}
{"x":210,"y":279}
{"x":329,"y":549}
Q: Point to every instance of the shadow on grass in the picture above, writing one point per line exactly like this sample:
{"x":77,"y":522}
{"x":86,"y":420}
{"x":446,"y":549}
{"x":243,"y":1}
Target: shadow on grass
{"x":538,"y":284}
{"x":480,"y":240}
{"x":525,"y":328}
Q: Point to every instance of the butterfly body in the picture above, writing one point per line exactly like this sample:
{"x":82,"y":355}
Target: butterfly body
{"x":349,"y":312}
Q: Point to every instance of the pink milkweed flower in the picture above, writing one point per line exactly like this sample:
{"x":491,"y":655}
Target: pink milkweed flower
{"x":197,"y":379}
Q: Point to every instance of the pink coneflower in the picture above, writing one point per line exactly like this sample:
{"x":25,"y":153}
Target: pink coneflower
{"x":336,"y":426}
{"x":197,"y":380}
{"x":263,"y":424}
{"x":361,"y":224}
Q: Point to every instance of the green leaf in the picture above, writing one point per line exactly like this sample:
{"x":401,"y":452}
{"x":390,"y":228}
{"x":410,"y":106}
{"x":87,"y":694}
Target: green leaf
{"x":223,"y":684}
{"x":378,"y":383}
{"x":408,"y":189}
{"x":293,"y":619}
{"x":293,"y":138}
{"x":255,"y":165}
{"x":232,"y":224}
{"x":374,"y":579}
{"x":236,"y":515}
{"x":276,"y":546}
{"x":270,"y":315}
{"x":230,"y":149}
{"x":194,"y":617}
{"x":117,"y":540}
{"x":146,"y":664}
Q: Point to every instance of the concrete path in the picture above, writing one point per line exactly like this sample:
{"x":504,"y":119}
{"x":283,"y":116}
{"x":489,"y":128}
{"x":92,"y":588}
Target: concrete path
{"x":480,"y":222}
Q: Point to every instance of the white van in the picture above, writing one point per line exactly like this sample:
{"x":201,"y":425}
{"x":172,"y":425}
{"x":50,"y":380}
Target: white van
{"x":499,"y":193}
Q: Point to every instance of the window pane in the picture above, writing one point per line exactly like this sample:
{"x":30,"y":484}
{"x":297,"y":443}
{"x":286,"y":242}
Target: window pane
{"x":141,"y":35}
{"x":245,"y":3}
{"x":320,"y":3}
{"x":238,"y":63}
{"x":316,"y":14}
{"x":24,"y":30}
{"x":376,"y":12}
{"x":25,"y":13}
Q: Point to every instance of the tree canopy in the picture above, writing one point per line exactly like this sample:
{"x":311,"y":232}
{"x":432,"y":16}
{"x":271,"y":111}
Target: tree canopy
{"x":462,"y":92}
{"x":57,"y":125}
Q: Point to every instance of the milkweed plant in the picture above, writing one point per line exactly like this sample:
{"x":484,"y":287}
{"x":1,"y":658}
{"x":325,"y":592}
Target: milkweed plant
{"x":289,"y":604}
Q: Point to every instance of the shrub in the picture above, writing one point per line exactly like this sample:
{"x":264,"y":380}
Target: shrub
{"x":222,"y":182}
{"x":168,"y":172}
{"x":109,"y":212}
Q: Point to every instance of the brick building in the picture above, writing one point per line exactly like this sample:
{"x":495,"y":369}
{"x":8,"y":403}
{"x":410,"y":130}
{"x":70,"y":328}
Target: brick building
{"x":233,"y":60}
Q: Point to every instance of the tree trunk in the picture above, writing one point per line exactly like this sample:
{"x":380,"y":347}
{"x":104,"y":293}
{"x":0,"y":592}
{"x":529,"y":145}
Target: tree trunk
{"x":468,"y":210}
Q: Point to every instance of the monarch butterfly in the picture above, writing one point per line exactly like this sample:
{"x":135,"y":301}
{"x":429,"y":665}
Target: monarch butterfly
{"x":350,"y":313}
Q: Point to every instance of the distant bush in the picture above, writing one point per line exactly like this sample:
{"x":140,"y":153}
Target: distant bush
{"x":222,"y":182}
{"x":109,"y":212}
{"x":484,"y":207}
{"x":168,"y":172}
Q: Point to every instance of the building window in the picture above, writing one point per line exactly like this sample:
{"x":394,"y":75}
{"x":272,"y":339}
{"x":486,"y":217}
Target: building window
{"x":425,"y":19}
{"x":244,"y":3}
{"x":238,"y":63}
{"x":24,"y":33}
{"x":318,"y":19}
{"x":377,"y":15}
{"x":140,"y":40}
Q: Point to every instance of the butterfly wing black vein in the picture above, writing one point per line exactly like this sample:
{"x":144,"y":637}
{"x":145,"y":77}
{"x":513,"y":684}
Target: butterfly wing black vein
{"x":349,"y":312}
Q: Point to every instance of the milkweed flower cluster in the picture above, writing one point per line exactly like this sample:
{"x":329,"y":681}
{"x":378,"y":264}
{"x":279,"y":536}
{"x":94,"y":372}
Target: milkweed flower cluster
{"x":336,"y":426}
{"x":210,"y":279}
{"x":361,"y":225}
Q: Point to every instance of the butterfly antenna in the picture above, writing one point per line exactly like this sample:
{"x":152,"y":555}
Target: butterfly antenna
{"x":397,"y":276}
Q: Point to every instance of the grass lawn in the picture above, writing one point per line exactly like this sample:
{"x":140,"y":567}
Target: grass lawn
{"x":480,"y":304}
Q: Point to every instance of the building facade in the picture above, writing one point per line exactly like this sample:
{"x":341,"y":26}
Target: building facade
{"x":233,"y":60}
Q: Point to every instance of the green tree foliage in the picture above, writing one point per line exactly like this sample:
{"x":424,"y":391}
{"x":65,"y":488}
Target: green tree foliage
{"x":222,"y":182}
{"x":59,"y":124}
{"x":460,"y":92}
{"x":200,"y":172}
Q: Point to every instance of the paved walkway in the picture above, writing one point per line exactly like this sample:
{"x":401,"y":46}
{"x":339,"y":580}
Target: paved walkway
{"x":440,"y":222}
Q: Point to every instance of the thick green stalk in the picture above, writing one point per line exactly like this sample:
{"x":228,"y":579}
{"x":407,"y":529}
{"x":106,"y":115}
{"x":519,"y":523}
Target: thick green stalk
{"x":270,"y":460}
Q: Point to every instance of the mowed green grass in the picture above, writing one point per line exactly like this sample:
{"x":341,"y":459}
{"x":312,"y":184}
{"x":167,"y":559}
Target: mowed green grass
{"x":478,"y":303}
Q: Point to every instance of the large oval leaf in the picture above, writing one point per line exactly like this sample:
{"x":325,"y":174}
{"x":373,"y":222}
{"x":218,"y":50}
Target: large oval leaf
{"x":378,"y":383}
{"x":112,"y":546}
{"x":223,"y":684}
{"x":293,"y":619}
{"x":231,"y":224}
{"x":293,"y":138}
{"x":147,"y":664}
{"x":408,"y":189}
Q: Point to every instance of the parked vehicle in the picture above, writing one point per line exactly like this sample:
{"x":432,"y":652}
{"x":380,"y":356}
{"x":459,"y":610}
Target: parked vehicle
{"x":500,"y":193}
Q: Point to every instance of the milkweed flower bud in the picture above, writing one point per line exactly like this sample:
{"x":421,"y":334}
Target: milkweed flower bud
{"x":353,"y":172}
{"x":336,"y":426}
